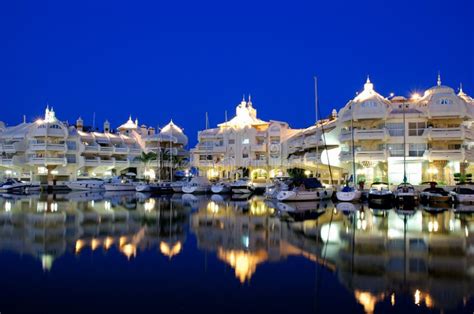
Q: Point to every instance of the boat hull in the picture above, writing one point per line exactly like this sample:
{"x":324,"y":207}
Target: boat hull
{"x":119,"y":187}
{"x":85,"y":186}
{"x":288,"y":196}
{"x":220,"y":189}
{"x":352,"y":196}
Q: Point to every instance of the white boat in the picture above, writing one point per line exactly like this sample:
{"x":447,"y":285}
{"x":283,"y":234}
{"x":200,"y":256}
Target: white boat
{"x":117,"y":185}
{"x":241,"y":186}
{"x":220,"y":188}
{"x":380,"y":193}
{"x":154,"y":188}
{"x":347,"y":207}
{"x":177,"y":186}
{"x":310,"y":190}
{"x":406,"y":193}
{"x":272,"y":191}
{"x":86,"y":185}
{"x":197,"y":185}
{"x":435,"y":195}
{"x":463,"y":194}
{"x":348,"y":194}
{"x":16,"y":186}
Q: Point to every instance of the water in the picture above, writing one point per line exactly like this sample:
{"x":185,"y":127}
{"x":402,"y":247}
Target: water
{"x":126,"y":252}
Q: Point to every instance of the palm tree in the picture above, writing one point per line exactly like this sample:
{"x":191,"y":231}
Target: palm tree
{"x":146,"y":159}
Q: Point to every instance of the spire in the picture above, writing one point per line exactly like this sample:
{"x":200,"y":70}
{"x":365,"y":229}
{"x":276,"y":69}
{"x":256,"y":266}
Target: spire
{"x":130,"y":117}
{"x":368,"y":79}
{"x":136,"y":121}
{"x":243,"y":97}
{"x":439,"y":79}
{"x":460,"y":89}
{"x":368,"y":86}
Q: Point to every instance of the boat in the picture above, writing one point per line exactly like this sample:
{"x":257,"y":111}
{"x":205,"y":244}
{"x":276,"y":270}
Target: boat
{"x":433,"y":195}
{"x":241,"y":186}
{"x":86,"y":185}
{"x":17,"y":186}
{"x":348,"y":207}
{"x":259,"y":186}
{"x":380,"y":193}
{"x":310,"y":189}
{"x":161,"y":188}
{"x":117,"y":184}
{"x":177,"y":186}
{"x":405,"y":193}
{"x":463,"y":194}
{"x":220,"y":188}
{"x":197,"y":185}
{"x":348,"y":194}
{"x":272,"y":191}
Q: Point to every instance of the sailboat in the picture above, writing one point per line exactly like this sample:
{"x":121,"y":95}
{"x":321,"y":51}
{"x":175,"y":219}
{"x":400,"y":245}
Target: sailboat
{"x":405,"y":193}
{"x":350,"y":193}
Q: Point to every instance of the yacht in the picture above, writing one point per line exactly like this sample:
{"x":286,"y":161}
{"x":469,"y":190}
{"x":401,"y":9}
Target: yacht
{"x":118,"y":184}
{"x":241,"y":186}
{"x":177,"y":186}
{"x":348,"y":194}
{"x":405,"y":193}
{"x":259,"y":186}
{"x":162,"y":187}
{"x":463,"y":194}
{"x":220,"y":188}
{"x":433,"y":195}
{"x":17,"y":186}
{"x":86,"y":185}
{"x":310,"y":190}
{"x":380,"y":193}
{"x":197,"y":185}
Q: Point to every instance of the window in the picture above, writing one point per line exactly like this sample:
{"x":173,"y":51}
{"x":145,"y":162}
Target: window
{"x":444,"y":101}
{"x":231,"y":141}
{"x":71,"y":145}
{"x":395,"y":129}
{"x":245,"y":141}
{"x":396,"y":150}
{"x":416,"y":150}
{"x":454,"y":146}
{"x":71,"y":159}
{"x":416,"y":128}
{"x":245,"y":155}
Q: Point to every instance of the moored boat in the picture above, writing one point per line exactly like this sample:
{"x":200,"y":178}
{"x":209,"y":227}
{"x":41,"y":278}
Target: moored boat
{"x":86,"y":185}
{"x":463,"y":194}
{"x":241,"y":186}
{"x":435,"y":194}
{"x":405,"y":193}
{"x":380,"y":193}
{"x":197,"y":185}
{"x":117,"y":185}
{"x":348,"y":194}
{"x":220,"y":188}
{"x":310,"y":190}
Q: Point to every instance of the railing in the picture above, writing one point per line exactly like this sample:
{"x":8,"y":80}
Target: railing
{"x":48,"y":160}
{"x":135,"y":151}
{"x":371,"y":155}
{"x":106,"y":149}
{"x":444,"y":133}
{"x":121,"y":150}
{"x":259,"y":147}
{"x":258,"y":163}
{"x":445,"y":154}
{"x":48,"y":146}
{"x":311,"y":157}
{"x":312,"y":140}
{"x":361,"y":135}
{"x":6,"y":161}
{"x":91,"y":148}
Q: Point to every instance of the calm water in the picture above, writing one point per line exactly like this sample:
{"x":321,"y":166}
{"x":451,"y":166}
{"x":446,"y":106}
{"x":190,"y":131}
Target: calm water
{"x":127,"y":253}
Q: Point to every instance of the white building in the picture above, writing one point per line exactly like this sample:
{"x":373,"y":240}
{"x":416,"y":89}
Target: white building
{"x":244,"y":143}
{"x":50,"y":150}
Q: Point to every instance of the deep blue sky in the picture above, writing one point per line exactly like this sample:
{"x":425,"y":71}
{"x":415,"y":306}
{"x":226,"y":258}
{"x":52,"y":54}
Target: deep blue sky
{"x":179,"y":59}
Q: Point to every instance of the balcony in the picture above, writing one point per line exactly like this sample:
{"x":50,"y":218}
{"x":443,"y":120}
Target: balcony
{"x":92,"y":148}
{"x":297,"y":143}
{"x":295,"y":160}
{"x":371,"y":155}
{"x":445,"y":154}
{"x":311,"y":158}
{"x":48,"y":160}
{"x":48,"y":147}
{"x":364,"y":135}
{"x":106,"y":149}
{"x":123,"y":163}
{"x":6,"y":161}
{"x":135,"y":151}
{"x":121,"y":150}
{"x":447,"y":133}
{"x":312,"y":141}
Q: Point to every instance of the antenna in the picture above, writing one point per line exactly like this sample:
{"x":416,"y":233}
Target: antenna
{"x":93,"y":121}
{"x":207,"y":121}
{"x":316,"y":97}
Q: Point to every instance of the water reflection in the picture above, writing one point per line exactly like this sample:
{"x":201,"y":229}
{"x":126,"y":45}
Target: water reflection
{"x":381,"y":256}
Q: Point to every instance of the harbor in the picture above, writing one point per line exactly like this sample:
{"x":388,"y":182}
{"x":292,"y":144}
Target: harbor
{"x":374,"y":259}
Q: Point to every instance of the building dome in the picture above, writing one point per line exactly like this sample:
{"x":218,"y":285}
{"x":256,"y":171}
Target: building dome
{"x":129,"y":125}
{"x":172,"y":130}
{"x":49,"y":126}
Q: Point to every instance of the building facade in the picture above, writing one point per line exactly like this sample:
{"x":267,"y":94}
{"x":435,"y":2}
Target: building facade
{"x":51,"y":150}
{"x":243,"y":146}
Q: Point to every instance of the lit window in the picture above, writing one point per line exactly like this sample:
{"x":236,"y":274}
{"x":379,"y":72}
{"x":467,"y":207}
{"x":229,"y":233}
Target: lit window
{"x":245,"y":141}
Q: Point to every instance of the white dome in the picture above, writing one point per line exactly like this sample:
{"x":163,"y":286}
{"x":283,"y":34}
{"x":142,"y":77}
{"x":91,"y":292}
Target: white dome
{"x":173,"y":130}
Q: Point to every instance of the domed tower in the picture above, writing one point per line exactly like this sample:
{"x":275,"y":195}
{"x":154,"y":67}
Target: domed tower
{"x":172,"y":131}
{"x":80,"y":124}
{"x":106,"y":126}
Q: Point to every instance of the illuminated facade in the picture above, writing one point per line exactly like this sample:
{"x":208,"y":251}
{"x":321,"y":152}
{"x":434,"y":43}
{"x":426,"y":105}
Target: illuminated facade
{"x":49,"y":149}
{"x":437,"y":142}
{"x":244,"y":142}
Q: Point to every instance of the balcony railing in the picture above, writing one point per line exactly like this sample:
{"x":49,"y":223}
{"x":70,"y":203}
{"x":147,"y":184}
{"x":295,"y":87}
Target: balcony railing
{"x":6,"y":161}
{"x":91,"y":148}
{"x":48,"y":160}
{"x":121,"y":150}
{"x":50,"y":147}
{"x":364,"y":135}
{"x":364,"y":155}
{"x":445,"y":154}
{"x":259,"y":147}
{"x":447,"y":133}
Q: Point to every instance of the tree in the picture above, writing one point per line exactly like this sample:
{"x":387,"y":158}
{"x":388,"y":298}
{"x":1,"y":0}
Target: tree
{"x":146,"y":159}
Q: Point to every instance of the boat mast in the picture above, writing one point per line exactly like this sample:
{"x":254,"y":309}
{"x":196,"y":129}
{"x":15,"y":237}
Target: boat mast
{"x":158,"y":153}
{"x":404,"y":148}
{"x":352,"y":145}
{"x":171,"y":152}
{"x":317,"y":119}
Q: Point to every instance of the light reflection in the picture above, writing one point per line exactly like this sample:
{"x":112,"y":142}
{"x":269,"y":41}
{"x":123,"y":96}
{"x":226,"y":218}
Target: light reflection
{"x":170,"y":251}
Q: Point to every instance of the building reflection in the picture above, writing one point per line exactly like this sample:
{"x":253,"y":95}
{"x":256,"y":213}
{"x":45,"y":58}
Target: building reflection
{"x":48,"y":226}
{"x":382,"y":257}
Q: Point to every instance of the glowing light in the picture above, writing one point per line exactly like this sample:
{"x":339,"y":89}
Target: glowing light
{"x":42,"y":170}
{"x":8,"y":206}
{"x":108,"y":242}
{"x":307,"y":172}
{"x":149,"y":204}
{"x":54,"y":172}
{"x":244,"y":263}
{"x":95,"y":244}
{"x":415,"y":96}
{"x":54,"y":207}
{"x":466,"y":231}
{"x":432,"y":170}
{"x":79,"y":246}
{"x":129,"y":250}
{"x":417,"y":297}
{"x":213,"y":207}
{"x":166,"y":250}
{"x":392,"y":299}
{"x":107,"y":205}
{"x":47,"y":262}
{"x":330,"y":233}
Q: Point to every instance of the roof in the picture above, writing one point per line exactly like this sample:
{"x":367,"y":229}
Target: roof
{"x":17,"y":131}
{"x":129,"y":125}
{"x":171,"y":130}
{"x":245,"y":115}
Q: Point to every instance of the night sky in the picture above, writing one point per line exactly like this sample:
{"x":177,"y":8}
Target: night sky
{"x":178,"y":59}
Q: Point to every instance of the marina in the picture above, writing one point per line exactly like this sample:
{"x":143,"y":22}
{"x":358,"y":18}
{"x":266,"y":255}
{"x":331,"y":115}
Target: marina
{"x":256,"y":250}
